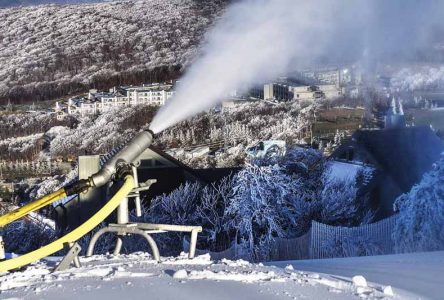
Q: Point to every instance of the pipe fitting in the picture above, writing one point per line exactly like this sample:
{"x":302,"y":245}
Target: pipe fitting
{"x":77,"y":187}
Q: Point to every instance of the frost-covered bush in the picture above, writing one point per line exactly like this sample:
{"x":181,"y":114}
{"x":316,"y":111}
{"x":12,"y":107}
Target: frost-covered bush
{"x":339,"y":205}
{"x":350,"y":246}
{"x":192,"y":204}
{"x":245,"y":125}
{"x":178,"y":207}
{"x":420,"y":222}
{"x":100,"y":134}
{"x":50,"y":185}
{"x":28,"y":234}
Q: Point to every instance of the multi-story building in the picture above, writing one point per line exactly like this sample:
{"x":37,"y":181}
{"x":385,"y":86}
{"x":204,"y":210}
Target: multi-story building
{"x":307,"y":93}
{"x":277,"y":91}
{"x":154,"y":94}
{"x":96,"y":102}
{"x":336,"y":76}
{"x":316,"y":92}
{"x":331,"y":91}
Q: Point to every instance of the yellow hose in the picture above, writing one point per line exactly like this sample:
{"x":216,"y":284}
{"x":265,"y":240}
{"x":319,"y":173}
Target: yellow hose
{"x":32,"y":206}
{"x":74,"y":235}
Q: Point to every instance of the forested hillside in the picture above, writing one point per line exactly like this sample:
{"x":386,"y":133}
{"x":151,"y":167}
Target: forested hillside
{"x":50,"y":51}
{"x":11,"y":3}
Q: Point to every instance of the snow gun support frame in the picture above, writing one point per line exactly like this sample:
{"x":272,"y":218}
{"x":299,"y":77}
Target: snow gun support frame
{"x":118,"y":165}
{"x":119,"y":169}
{"x":125,"y":228}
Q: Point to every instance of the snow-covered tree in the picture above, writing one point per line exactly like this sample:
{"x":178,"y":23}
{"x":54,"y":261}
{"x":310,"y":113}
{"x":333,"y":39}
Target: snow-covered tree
{"x":70,"y":48}
{"x":211,"y":212}
{"x":410,"y":79}
{"x":255,"y":217}
{"x":339,"y":205}
{"x":420,"y":222}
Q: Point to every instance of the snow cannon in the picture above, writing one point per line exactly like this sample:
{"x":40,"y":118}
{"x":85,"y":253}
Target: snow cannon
{"x":118,"y":168}
{"x":124,"y":158}
{"x":122,"y":171}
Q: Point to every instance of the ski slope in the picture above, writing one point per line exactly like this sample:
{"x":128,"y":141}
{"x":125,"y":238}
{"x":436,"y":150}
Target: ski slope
{"x":418,"y":273}
{"x":137,"y":276}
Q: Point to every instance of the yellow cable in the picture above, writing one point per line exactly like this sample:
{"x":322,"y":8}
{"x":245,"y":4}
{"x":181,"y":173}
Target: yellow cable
{"x":74,"y":235}
{"x":32,"y":206}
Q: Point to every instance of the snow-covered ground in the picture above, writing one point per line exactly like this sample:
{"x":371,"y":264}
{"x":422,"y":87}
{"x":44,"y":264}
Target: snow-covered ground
{"x":418,"y":273}
{"x":137,"y":276}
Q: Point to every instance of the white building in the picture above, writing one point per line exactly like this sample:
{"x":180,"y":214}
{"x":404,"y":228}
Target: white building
{"x":61,"y":115}
{"x":97,"y":102}
{"x":317,"y":92}
{"x":155,"y":94}
{"x":331,"y":91}
{"x":307,"y":93}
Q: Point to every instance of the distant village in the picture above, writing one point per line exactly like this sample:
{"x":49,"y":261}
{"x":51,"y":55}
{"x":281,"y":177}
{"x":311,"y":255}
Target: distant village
{"x":306,"y":86}
{"x":329,"y":84}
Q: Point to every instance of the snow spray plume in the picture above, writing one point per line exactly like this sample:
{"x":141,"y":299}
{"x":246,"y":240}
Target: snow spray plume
{"x":258,"y":40}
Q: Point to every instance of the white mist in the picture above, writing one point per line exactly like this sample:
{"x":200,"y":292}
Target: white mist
{"x":258,"y":40}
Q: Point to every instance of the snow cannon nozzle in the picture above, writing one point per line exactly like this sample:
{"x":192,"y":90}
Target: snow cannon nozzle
{"x":126,"y":156}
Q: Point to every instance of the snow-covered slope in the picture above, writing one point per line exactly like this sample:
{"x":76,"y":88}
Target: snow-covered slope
{"x":418,"y":273}
{"x":52,"y":50}
{"x":136,"y":276}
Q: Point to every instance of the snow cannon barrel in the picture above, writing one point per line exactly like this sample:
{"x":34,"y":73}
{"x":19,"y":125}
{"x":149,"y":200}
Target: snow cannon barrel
{"x":123,"y":158}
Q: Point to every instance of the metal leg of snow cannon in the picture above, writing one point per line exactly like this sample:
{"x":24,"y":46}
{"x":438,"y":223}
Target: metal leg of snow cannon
{"x":193,"y":242}
{"x":70,"y":257}
{"x":119,"y":244}
{"x":121,"y":230}
{"x":123,"y":227}
{"x":2,"y":246}
{"x":93,"y":241}
{"x":160,"y":228}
